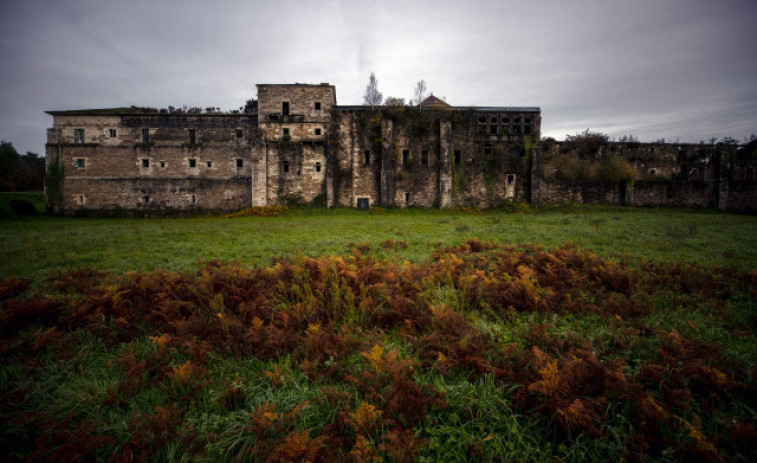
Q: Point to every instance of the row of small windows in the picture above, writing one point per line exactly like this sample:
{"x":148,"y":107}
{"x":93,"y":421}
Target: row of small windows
{"x":285,"y":107}
{"x":286,"y":133}
{"x":285,"y":167}
{"x":191,"y":135}
{"x":79,"y":163}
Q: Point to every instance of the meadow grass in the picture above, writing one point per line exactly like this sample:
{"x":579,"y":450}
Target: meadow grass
{"x":33,"y":247}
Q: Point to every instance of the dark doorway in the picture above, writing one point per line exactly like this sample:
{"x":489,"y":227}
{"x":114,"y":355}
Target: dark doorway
{"x":362,"y":203}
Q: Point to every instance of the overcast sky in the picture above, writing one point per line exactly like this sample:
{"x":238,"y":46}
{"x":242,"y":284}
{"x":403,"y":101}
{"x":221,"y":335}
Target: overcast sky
{"x":678,"y":69}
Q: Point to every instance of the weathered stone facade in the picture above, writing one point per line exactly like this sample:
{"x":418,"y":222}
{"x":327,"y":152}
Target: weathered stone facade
{"x":301,"y":147}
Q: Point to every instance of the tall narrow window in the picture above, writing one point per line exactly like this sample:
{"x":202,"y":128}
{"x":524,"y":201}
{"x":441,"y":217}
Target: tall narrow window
{"x":240,"y":163}
{"x":145,"y":163}
{"x":78,"y":135}
{"x":145,"y":135}
{"x":285,"y":166}
{"x":367,"y":157}
{"x":192,"y":163}
{"x":317,"y":166}
{"x":239,"y":133}
{"x":112,"y":133}
{"x":405,"y":157}
{"x":192,"y":137}
{"x":457,"y":158}
{"x":318,"y":132}
{"x":424,"y":157}
{"x":487,"y":150}
{"x":317,"y":105}
{"x":285,"y":108}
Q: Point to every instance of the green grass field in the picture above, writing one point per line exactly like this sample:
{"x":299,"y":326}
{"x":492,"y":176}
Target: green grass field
{"x":573,"y":334}
{"x":33,"y":247}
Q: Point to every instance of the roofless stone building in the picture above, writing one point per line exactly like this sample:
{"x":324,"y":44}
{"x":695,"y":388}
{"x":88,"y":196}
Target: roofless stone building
{"x":302,"y":147}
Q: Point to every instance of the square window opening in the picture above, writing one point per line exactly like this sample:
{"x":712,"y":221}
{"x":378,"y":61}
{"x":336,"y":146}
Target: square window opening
{"x":162,"y":163}
{"x":192,"y":163}
{"x":209,"y":164}
{"x":239,"y":133}
{"x":112,"y":133}
{"x":145,"y":163}
{"x":79,"y":163}
{"x":317,"y":131}
{"x":317,"y":166}
{"x":487,"y":150}
{"x":240,"y":163}
{"x":317,"y":105}
{"x":146,"y":199}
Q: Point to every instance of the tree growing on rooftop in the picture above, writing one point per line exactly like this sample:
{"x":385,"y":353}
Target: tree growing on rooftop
{"x":372,"y":97}
{"x":420,"y":92}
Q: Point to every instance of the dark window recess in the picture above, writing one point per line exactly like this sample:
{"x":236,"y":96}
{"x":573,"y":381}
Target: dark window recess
{"x":362,"y":203}
{"x":493,"y":120}
{"x":457,"y":157}
{"x":505,"y":120}
{"x":285,"y":134}
{"x":317,"y":105}
{"x":285,"y":166}
{"x":145,"y":199}
{"x":424,"y":157}
{"x":239,"y":133}
{"x":317,"y":131}
{"x":192,"y":163}
{"x":112,"y":133}
{"x":194,"y":199}
{"x":493,"y":129}
{"x":407,"y":198}
{"x":527,"y":130}
{"x":78,"y":135}
{"x":162,"y":163}
{"x":285,"y":108}
{"x":145,"y":135}
{"x":482,"y":120}
{"x":145,"y":163}
{"x":79,"y":163}
{"x":209,"y":164}
{"x":192,"y":137}
{"x":317,"y":166}
{"x":487,"y":150}
{"x":527,"y":120}
{"x":240,"y":163}
{"x":405,"y":157}
{"x":366,"y":157}
{"x":510,"y":179}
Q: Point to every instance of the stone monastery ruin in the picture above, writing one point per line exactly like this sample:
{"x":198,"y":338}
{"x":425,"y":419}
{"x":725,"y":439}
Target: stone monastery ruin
{"x":301,"y":147}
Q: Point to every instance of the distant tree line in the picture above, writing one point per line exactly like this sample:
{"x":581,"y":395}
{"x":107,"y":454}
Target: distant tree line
{"x":20,"y":172}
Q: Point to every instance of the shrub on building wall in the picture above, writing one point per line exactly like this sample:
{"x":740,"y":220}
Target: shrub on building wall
{"x":54,"y":186}
{"x":571,"y":167}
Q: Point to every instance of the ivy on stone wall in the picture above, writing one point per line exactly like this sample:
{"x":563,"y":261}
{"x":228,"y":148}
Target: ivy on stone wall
{"x":54,"y":186}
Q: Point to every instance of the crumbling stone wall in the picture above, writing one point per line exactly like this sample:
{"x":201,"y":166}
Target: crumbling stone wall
{"x":149,"y":162}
